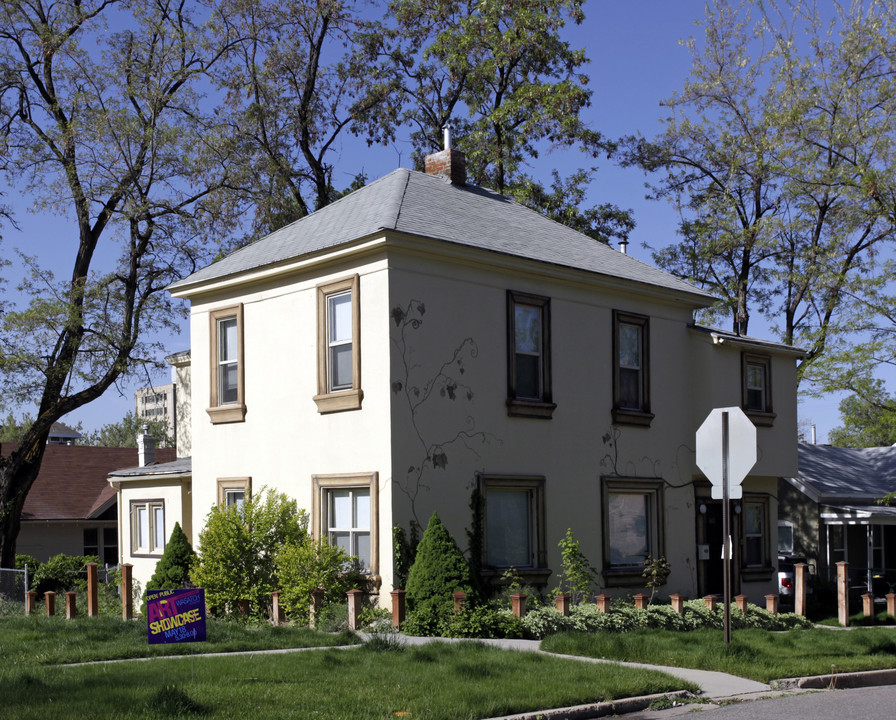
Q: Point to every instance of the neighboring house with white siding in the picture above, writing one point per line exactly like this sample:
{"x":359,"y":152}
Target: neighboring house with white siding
{"x":421,"y":342}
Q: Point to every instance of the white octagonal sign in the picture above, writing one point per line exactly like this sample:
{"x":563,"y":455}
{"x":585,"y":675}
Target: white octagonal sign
{"x":741,"y":449}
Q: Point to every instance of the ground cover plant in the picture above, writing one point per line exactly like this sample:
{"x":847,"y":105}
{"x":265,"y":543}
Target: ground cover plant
{"x":436,"y":681}
{"x":755,"y":654}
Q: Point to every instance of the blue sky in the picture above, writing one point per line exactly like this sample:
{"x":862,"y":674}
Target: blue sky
{"x":636,"y":60}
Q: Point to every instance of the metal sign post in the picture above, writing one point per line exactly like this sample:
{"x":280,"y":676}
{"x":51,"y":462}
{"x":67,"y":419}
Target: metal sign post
{"x":726,"y":452}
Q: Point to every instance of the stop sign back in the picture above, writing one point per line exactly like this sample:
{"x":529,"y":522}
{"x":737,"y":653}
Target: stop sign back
{"x":741,"y":449}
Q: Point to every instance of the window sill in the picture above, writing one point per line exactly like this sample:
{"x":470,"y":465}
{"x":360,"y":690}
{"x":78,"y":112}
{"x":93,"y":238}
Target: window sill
{"x":147,"y":554}
{"x":339,"y":401}
{"x":624,"y":578}
{"x":761,"y":419}
{"x":757,"y":574}
{"x":530,"y":408}
{"x":227,"y":413}
{"x":632,"y":417}
{"x":537,"y":577}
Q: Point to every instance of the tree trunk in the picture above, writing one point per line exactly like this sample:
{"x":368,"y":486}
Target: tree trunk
{"x":17,"y":474}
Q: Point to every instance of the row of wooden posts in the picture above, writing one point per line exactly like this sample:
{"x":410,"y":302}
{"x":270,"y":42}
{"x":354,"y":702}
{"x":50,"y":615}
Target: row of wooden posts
{"x":518,"y":601}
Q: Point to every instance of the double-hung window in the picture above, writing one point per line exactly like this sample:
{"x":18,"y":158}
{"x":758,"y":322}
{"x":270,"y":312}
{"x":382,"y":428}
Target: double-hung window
{"x":631,"y":377}
{"x":232,"y":492}
{"x":529,"y":355}
{"x":633,"y":527}
{"x":756,"y":561}
{"x":345,"y":512}
{"x":514,"y":523}
{"x":147,"y":527}
{"x":756,"y":388}
{"x":227,"y":402}
{"x":339,"y":346}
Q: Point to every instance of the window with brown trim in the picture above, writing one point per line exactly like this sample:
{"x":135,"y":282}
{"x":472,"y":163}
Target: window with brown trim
{"x":233,"y":491}
{"x":529,"y":356}
{"x":756,"y":381}
{"x":345,"y":511}
{"x":227,"y":371}
{"x":513,"y":522}
{"x":633,"y":527}
{"x":339,"y":346}
{"x":631,"y":369}
{"x":147,"y":527}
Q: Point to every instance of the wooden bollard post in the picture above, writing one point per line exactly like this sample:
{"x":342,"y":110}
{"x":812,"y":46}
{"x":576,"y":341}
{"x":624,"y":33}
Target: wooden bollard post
{"x":563,"y":604}
{"x":677,"y":602}
{"x":771,"y":603}
{"x":92,"y":595}
{"x":71,"y":611}
{"x":127,"y":591}
{"x":800,"y":588}
{"x":30,"y":602}
{"x":891,"y":604}
{"x":276,"y":610}
{"x":741,"y":602}
{"x":603,"y":603}
{"x":868,"y":604}
{"x":50,"y":599}
{"x":460,"y":601}
{"x":710,"y":602}
{"x":398,"y":608}
{"x":641,"y":601}
{"x":354,"y":608}
{"x":843,"y":593}
{"x":317,"y":603}
{"x":518,"y":604}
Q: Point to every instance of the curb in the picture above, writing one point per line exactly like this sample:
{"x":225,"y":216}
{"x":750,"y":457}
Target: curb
{"x":869,"y":678}
{"x":595,"y":710}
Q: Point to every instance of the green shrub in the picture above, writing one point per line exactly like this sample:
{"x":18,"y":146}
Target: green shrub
{"x":62,"y":573}
{"x":577,"y":576}
{"x":484,"y":622}
{"x":32,"y":562}
{"x":173,"y":568}
{"x":312,"y":564}
{"x":439,"y":570}
{"x":238,"y":550}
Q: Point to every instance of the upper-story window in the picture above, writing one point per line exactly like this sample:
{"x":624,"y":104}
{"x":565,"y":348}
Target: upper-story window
{"x":756,"y":388}
{"x":339,"y":346}
{"x":529,"y":355}
{"x":226,"y":403}
{"x":631,"y":377}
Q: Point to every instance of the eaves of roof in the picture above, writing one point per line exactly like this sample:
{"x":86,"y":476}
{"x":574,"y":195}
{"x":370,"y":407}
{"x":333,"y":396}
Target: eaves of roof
{"x":721,"y":337}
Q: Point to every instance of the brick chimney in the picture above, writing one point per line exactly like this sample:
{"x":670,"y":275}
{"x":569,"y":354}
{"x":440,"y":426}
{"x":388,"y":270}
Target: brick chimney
{"x":449,"y":163}
{"x":146,"y":447}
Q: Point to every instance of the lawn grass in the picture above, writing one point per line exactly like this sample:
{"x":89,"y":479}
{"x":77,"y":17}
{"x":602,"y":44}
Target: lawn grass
{"x":449,"y":681}
{"x":755,"y":654}
{"x":40,"y":640}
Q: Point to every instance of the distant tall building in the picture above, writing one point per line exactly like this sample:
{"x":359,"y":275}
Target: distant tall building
{"x":158,"y":403}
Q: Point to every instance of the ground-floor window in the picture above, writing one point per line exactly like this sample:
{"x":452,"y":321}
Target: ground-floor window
{"x":633,"y":527}
{"x":233,"y":491}
{"x":345,"y":511}
{"x":147,"y":527}
{"x":513,"y":521}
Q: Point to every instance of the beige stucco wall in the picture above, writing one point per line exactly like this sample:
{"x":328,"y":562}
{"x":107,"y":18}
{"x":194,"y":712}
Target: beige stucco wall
{"x":175,"y":493}
{"x":284,"y":440}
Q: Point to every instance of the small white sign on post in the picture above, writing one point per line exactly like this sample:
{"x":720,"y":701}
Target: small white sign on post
{"x":741,"y":450}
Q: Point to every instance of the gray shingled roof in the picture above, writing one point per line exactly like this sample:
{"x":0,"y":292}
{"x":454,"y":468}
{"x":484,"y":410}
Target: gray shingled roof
{"x":406,"y":201}
{"x":181,"y":466}
{"x":843,"y":475}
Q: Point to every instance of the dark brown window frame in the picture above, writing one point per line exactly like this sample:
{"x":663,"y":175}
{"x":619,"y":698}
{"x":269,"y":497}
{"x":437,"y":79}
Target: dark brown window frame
{"x":766,"y":416}
{"x":632,"y":416}
{"x":517,"y":406}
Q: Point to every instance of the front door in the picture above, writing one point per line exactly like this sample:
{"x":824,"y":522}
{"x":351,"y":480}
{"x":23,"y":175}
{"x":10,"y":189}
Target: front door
{"x":710,"y":563}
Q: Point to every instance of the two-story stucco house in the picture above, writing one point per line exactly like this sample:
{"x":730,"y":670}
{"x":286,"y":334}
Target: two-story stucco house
{"x":422,"y":341}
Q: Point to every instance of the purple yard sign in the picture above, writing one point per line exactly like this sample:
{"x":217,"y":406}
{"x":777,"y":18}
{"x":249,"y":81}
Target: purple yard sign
{"x":175,"y":616}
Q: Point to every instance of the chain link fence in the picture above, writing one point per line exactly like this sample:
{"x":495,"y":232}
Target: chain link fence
{"x":14,"y":584}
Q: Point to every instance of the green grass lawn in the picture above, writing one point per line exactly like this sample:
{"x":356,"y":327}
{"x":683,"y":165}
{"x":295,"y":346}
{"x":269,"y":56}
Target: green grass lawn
{"x":377,"y":680}
{"x":755,"y":654}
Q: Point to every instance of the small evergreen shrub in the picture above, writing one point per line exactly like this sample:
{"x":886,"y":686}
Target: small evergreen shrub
{"x":439,"y":570}
{"x":173,"y":568}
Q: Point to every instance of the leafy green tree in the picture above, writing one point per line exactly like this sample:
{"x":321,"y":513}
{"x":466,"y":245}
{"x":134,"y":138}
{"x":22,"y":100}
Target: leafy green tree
{"x":109,"y":130}
{"x":779,"y":153}
{"x":13,"y":429}
{"x":439,"y":570}
{"x":124,"y":433}
{"x":238,"y":548}
{"x":868,"y":418}
{"x":577,"y":576}
{"x":312,"y":564}
{"x":173,"y":568}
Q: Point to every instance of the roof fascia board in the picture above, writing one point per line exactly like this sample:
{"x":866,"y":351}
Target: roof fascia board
{"x":805,"y":488}
{"x":357,"y":248}
{"x":720,"y":338}
{"x":114,"y":480}
{"x":479,"y":257}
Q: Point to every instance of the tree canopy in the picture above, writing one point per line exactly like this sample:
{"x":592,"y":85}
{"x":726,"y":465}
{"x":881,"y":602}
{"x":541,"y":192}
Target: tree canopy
{"x":779,"y":152}
{"x":868,"y":418}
